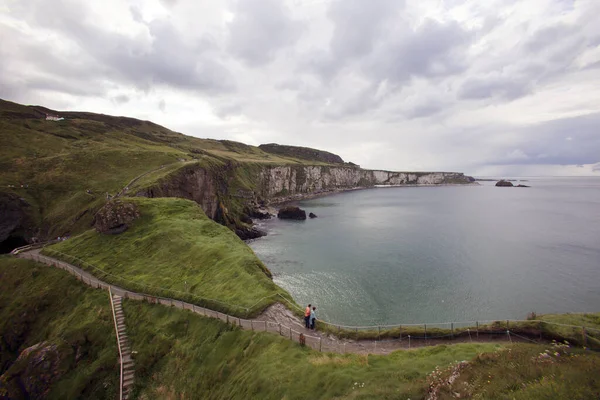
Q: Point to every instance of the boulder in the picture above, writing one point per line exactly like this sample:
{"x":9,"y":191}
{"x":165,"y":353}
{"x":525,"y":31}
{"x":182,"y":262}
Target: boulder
{"x":503,"y":183}
{"x":247,"y":233}
{"x":115,"y":217}
{"x":311,"y":215}
{"x":291,"y":212}
{"x":520,"y":185}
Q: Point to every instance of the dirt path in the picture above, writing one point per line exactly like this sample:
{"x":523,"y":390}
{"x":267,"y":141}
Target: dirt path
{"x":279,"y":314}
{"x":280,"y":320}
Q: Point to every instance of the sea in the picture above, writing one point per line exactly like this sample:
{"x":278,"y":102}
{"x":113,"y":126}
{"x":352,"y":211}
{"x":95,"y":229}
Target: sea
{"x":402,"y":255}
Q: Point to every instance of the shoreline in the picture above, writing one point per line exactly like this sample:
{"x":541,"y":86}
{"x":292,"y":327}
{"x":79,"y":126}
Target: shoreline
{"x":307,"y":196}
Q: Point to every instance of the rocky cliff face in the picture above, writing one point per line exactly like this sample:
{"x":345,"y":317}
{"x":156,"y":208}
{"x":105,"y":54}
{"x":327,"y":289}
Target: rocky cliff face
{"x":197,"y":184}
{"x":296,"y":180}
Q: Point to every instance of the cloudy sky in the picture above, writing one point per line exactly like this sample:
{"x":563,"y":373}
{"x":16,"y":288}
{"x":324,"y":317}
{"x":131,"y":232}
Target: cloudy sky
{"x":495,"y":87}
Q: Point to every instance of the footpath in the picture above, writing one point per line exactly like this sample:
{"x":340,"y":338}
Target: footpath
{"x":277,"y":319}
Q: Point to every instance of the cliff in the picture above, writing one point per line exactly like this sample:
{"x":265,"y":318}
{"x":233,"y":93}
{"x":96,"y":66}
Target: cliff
{"x":281,"y":181}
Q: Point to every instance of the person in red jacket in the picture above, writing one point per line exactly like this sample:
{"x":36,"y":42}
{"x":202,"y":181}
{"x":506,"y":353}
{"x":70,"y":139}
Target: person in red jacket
{"x":307,"y":317}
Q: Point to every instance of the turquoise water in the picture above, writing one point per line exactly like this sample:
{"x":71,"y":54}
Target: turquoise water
{"x":440,"y":254}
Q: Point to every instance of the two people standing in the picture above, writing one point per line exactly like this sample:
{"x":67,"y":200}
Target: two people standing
{"x":310,"y":315}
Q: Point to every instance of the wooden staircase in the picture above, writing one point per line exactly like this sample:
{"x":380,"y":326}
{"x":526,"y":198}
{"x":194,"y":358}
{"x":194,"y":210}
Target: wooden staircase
{"x":127,"y":363}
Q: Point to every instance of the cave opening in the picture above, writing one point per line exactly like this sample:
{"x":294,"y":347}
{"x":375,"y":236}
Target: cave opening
{"x":11,"y":243}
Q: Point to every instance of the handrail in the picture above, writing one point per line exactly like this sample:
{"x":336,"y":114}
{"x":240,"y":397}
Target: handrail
{"x":112,"y":306}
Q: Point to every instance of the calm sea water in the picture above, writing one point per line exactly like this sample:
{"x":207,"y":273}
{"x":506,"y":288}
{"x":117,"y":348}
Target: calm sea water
{"x":439,"y":254}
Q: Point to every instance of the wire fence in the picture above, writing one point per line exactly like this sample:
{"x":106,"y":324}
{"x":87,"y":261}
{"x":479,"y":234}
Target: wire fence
{"x":365,"y":339}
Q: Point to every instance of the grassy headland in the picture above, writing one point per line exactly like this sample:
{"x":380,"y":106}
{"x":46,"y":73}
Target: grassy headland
{"x":175,"y":250}
{"x":73,"y":326}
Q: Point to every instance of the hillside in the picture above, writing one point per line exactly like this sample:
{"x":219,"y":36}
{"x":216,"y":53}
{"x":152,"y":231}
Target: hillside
{"x":55,"y":175}
{"x":174,"y":250}
{"x":183,"y":355}
{"x":56,"y":336}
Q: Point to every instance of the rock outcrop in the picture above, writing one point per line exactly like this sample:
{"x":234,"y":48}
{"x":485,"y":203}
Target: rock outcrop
{"x":311,"y":215}
{"x":115,"y":217}
{"x":193,"y":183}
{"x":292,"y":212}
{"x":33,"y":373}
{"x":503,"y":183}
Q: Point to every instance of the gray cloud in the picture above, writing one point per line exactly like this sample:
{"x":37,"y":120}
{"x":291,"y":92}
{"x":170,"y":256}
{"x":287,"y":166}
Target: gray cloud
{"x":358,"y":26}
{"x":260,"y":29}
{"x":499,"y":87}
{"x":566,"y":141}
{"x":160,"y":57}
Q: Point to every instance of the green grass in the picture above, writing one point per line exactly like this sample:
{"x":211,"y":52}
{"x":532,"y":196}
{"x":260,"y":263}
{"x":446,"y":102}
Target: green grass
{"x":42,"y":304}
{"x":522,"y":372}
{"x":174,"y":250}
{"x":183,"y":355}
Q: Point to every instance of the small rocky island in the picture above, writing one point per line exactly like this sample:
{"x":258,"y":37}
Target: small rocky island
{"x":291,"y":212}
{"x":505,"y":183}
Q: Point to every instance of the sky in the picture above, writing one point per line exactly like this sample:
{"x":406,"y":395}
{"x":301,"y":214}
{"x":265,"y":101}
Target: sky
{"x":495,"y":87}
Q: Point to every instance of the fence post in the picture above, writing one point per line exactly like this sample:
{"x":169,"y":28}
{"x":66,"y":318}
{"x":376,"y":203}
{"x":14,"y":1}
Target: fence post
{"x":584,"y":336}
{"x":265,"y":326}
{"x":356,"y":333}
{"x":320,"y":344}
{"x":425,"y":325}
{"x":252,"y":325}
{"x":193,"y":308}
{"x":280,"y":329}
{"x":452,"y":328}
{"x":477,"y":328}
{"x":290,"y":333}
{"x":409,"y":341}
{"x":400,"y":332}
{"x":378,"y":333}
{"x":507,"y":325}
{"x":541,"y":329}
{"x":239,"y":322}
{"x":227,"y":318}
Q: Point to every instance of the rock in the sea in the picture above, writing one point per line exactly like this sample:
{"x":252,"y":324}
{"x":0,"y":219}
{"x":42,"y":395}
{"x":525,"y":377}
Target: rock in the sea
{"x":115,"y":217}
{"x":291,"y":212}
{"x":249,"y":233}
{"x":311,"y":215}
{"x":519,"y":185}
{"x":504,"y":183}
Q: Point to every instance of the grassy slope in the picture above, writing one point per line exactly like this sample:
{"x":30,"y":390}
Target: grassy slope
{"x":522,"y":373}
{"x":39,"y":304}
{"x":182,"y":355}
{"x":59,"y":161}
{"x":173,"y":242}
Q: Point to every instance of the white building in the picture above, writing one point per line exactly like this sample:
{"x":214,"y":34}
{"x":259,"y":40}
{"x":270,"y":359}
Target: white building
{"x":53,"y":118}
